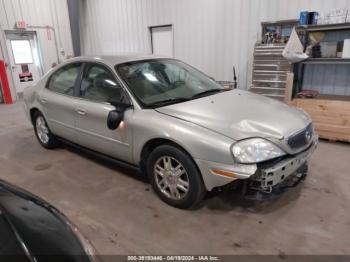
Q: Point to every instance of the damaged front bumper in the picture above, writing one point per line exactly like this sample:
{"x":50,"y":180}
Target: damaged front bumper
{"x":269,"y":175}
{"x":262,"y":177}
{"x":253,"y":192}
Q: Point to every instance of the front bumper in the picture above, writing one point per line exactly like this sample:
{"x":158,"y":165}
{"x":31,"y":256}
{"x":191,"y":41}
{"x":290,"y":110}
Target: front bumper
{"x":265,"y":176}
{"x":269,"y":176}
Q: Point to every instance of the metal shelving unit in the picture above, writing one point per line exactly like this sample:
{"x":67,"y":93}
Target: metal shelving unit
{"x":316,"y":66}
{"x":330,"y":76}
{"x":333,"y":61}
{"x":325,"y":27}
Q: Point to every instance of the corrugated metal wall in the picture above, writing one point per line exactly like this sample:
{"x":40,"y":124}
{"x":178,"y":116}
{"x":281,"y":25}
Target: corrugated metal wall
{"x":39,"y":13}
{"x":212,"y":35}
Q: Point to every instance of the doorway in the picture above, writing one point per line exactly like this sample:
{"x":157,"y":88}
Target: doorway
{"x":24,"y":56}
{"x":162,"y":41}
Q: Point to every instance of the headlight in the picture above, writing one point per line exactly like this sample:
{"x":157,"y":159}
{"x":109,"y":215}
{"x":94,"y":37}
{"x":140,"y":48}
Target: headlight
{"x":255,"y":150}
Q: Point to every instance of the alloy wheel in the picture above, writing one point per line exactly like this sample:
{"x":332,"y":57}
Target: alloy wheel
{"x":171,"y":177}
{"x":42,"y":130}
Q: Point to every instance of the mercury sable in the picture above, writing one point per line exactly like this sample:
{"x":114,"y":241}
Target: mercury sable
{"x":187,"y":132}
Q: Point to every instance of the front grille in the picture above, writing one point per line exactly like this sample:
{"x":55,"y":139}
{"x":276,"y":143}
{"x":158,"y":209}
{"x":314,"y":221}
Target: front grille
{"x":301,"y":139}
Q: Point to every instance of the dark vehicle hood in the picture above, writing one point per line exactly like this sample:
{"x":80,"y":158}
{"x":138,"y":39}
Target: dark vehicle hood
{"x":33,"y":230}
{"x":240,"y":114}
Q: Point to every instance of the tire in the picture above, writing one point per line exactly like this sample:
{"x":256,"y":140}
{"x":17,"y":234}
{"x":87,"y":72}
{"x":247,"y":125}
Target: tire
{"x":171,"y":171}
{"x":43,"y":133}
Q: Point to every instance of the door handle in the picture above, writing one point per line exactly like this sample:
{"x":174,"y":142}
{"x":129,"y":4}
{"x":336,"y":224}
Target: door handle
{"x":81,"y":111}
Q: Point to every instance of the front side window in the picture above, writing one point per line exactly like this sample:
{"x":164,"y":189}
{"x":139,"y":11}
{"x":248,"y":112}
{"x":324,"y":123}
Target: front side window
{"x":160,"y":82}
{"x":63,"y":81}
{"x":100,"y":85}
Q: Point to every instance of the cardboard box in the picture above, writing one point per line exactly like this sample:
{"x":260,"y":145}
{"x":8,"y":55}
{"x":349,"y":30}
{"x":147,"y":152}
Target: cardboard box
{"x":336,"y":16}
{"x":347,"y":20}
{"x":339,"y":19}
{"x":328,"y":49}
{"x":339,"y":12}
{"x":346,"y":49}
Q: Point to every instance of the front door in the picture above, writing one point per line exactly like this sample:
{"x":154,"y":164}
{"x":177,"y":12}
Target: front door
{"x":99,"y":90}
{"x":24,"y":59}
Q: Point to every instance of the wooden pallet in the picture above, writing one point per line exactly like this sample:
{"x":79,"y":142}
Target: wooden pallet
{"x":331,"y":117}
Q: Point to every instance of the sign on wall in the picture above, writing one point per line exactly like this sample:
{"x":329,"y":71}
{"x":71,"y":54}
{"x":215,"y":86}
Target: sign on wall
{"x":21,"y":24}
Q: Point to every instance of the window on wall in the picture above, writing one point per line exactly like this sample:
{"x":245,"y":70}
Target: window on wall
{"x":22,"y":52}
{"x":63,"y":81}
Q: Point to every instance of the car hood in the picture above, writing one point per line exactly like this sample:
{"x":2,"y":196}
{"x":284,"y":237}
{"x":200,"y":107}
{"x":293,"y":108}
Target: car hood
{"x":241,"y":114}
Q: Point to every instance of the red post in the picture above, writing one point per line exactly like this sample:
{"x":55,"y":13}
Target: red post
{"x":6,"y":92}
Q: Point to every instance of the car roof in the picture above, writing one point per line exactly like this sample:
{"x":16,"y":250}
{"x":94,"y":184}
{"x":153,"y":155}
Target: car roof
{"x":113,"y":60}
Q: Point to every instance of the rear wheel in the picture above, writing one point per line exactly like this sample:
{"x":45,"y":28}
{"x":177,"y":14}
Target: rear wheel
{"x":175,"y":177}
{"x":43,"y":133}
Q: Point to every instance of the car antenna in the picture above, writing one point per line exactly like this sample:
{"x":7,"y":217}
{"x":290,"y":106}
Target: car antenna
{"x":234,"y":78}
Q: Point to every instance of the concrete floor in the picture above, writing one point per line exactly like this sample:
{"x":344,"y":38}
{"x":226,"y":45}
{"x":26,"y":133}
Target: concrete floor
{"x":116,"y":209}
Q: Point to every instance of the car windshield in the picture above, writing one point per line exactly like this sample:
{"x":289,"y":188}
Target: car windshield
{"x":160,"y":82}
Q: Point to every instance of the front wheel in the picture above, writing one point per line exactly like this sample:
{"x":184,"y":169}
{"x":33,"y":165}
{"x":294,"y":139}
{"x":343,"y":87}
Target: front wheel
{"x":43,"y":133}
{"x":175,"y":177}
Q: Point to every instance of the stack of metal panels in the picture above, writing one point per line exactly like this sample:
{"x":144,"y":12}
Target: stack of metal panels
{"x":270,"y":70}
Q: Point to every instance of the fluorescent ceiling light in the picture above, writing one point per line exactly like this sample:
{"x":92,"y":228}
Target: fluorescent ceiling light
{"x":150,"y":77}
{"x":111,"y":82}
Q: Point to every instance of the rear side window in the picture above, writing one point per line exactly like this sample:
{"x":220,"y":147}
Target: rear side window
{"x":63,"y":81}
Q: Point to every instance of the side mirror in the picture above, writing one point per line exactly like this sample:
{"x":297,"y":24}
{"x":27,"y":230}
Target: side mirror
{"x":116,"y":116}
{"x":114,"y":119}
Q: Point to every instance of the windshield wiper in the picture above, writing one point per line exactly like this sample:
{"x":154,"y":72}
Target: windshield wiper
{"x":208,"y":92}
{"x":175,"y":100}
{"x":169,"y":101}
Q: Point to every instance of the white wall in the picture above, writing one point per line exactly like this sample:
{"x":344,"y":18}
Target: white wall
{"x":212,"y":35}
{"x":39,"y":13}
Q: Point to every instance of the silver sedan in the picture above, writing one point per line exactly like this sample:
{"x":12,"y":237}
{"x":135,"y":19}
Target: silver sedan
{"x":187,"y":132}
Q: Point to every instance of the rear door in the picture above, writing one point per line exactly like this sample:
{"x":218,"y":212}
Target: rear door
{"x":58,"y":101}
{"x":99,"y":90}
